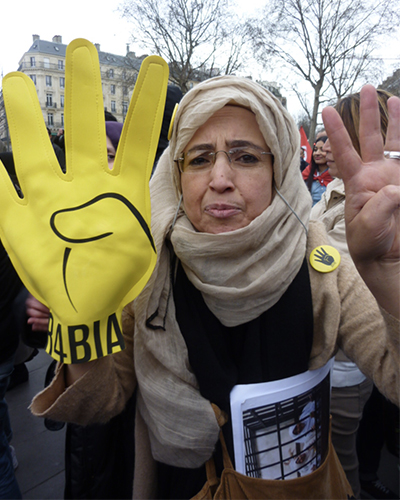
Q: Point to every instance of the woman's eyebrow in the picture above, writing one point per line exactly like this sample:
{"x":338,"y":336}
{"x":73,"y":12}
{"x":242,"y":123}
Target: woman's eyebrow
{"x":239,"y":143}
{"x":236,"y":143}
{"x":202,"y":147}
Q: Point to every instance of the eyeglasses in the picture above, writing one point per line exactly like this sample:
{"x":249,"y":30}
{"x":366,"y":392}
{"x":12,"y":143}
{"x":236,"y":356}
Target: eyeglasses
{"x":239,"y":158}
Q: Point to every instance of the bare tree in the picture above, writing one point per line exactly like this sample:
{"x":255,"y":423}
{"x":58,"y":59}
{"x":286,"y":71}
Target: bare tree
{"x":197,"y":38}
{"x":327,"y":43}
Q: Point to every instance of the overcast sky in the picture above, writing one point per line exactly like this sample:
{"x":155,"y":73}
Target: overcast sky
{"x":96,"y":21}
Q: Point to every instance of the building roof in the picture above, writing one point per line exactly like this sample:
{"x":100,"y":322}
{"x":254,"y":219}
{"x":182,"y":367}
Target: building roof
{"x":392,"y":83}
{"x":59,"y":49}
{"x":45,"y":47}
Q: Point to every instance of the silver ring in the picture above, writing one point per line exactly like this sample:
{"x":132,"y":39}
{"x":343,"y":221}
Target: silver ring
{"x":393,"y":155}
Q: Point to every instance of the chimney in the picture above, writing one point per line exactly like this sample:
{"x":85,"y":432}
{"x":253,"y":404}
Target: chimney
{"x":35,"y":37}
{"x":57,"y":39}
{"x":127,"y":48}
{"x":97,"y":45}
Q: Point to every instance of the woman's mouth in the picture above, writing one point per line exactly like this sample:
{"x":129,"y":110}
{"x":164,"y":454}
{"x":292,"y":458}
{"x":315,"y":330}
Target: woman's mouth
{"x":222,"y":210}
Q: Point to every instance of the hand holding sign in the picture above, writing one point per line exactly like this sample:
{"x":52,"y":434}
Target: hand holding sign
{"x":81,"y":241}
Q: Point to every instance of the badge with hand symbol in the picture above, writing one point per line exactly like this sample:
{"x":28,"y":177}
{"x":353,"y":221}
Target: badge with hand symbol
{"x":81,"y":241}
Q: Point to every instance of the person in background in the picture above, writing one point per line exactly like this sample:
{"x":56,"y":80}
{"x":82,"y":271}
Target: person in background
{"x":10,"y":286}
{"x":174,"y":95}
{"x":60,"y":153}
{"x":109,"y":117}
{"x":113,"y":134}
{"x":379,"y":425}
{"x":25,"y":351}
{"x":303,"y":162}
{"x":59,"y":139}
{"x":316,"y":175}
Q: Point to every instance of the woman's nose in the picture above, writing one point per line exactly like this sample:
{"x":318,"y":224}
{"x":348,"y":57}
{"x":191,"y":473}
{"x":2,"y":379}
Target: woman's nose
{"x":222,"y":173}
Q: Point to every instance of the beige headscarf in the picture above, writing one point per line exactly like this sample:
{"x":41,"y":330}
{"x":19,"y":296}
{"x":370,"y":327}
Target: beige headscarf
{"x":241,"y":274}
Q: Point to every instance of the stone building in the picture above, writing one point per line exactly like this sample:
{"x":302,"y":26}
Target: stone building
{"x":44,"y":63}
{"x":392,"y":83}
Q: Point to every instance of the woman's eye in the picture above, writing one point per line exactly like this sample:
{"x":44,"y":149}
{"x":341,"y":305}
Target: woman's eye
{"x":199,"y":161}
{"x":245,"y":158}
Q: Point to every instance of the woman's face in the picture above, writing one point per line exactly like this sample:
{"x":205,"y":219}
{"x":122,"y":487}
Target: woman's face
{"x":319,"y":154}
{"x":224,"y":199}
{"x":110,"y":153}
{"x":330,"y":161}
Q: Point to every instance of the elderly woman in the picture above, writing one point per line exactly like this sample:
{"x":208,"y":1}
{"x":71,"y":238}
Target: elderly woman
{"x":233,"y":300}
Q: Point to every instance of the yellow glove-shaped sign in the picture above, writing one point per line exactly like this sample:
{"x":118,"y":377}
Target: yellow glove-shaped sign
{"x":81,"y":241}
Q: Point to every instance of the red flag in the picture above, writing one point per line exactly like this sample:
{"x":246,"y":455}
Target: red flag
{"x":305,"y":145}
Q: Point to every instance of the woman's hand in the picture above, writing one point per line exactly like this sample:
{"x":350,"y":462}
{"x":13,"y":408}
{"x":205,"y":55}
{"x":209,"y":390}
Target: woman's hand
{"x":372,"y":185}
{"x":38,"y":318}
{"x":38,"y":314}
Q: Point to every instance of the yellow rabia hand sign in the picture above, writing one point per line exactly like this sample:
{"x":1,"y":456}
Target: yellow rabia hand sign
{"x":81,"y":241}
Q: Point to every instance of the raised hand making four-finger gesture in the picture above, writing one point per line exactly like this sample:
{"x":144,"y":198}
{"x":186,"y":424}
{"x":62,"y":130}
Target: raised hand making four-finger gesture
{"x":372,"y":184}
{"x":81,"y":241}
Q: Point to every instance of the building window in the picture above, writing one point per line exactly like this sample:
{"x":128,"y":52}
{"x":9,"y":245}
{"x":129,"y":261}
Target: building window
{"x":124,"y":108}
{"x":62,"y":101}
{"x":33,"y":78}
{"x":110,"y":73}
{"x":60,"y":64}
{"x":125,"y":90}
{"x":49,"y":100}
{"x":48,"y":81}
{"x":62,"y":82}
{"x":33,"y":62}
{"x":62,"y":119}
{"x":113,"y":107}
{"x":50,"y":119}
{"x":46,"y":61}
{"x":113,"y":89}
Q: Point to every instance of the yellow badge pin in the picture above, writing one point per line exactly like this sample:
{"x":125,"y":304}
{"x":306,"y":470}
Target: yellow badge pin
{"x":325,"y":258}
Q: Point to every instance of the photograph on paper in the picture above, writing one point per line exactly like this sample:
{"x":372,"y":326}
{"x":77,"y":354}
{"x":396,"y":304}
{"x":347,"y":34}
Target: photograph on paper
{"x":281,"y":428}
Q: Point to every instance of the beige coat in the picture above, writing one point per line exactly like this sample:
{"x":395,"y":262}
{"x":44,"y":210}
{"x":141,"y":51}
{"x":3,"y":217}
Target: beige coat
{"x":330,"y":211}
{"x":345,"y":315}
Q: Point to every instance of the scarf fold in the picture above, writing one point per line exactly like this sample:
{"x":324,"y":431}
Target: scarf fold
{"x":240,"y":274}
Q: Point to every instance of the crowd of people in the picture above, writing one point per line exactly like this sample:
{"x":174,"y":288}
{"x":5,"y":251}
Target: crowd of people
{"x":235,"y":296}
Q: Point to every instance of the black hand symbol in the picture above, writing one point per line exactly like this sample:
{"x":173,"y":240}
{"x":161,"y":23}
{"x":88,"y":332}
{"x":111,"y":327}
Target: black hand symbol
{"x":94,"y":237}
{"x":323,"y":257}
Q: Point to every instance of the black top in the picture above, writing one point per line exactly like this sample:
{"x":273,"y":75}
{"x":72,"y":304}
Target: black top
{"x":10,"y":285}
{"x":274,"y":346}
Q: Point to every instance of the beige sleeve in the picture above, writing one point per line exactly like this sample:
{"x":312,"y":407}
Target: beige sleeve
{"x":347,"y":316}
{"x":368,"y":335}
{"x":337,"y":237}
{"x":100,"y":394}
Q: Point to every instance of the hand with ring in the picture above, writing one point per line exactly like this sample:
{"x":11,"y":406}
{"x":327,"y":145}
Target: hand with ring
{"x":372,"y":184}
